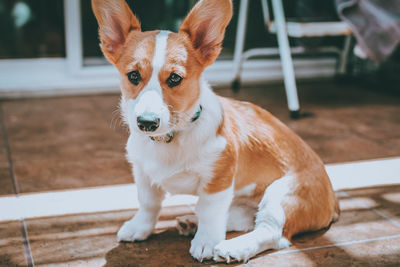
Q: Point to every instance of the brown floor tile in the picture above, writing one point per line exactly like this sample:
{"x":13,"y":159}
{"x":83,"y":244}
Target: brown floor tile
{"x":109,"y":106}
{"x":6,"y":187}
{"x":3,"y":154}
{"x":74,"y":128}
{"x":349,"y":148}
{"x":348,"y":123}
{"x":52,"y":174}
{"x":64,"y":143}
{"x":167,"y":248}
{"x":385,"y":200}
{"x":70,"y":240}
{"x":376,"y":122}
{"x":11,"y":245}
{"x":357,"y":222}
{"x":91,"y":240}
{"x":378,"y":253}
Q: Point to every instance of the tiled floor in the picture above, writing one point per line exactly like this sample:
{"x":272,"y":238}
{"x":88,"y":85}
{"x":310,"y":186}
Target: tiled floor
{"x":11,"y":244}
{"x":65,"y":143}
{"x":78,"y":142}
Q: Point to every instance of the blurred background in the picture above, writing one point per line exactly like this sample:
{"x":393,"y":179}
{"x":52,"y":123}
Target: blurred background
{"x":51,"y":46}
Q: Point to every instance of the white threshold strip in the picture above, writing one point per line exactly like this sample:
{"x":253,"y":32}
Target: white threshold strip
{"x":124,"y":197}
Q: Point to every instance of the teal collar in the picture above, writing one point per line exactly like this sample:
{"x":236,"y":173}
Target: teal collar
{"x":169,"y":136}
{"x":197,"y":115}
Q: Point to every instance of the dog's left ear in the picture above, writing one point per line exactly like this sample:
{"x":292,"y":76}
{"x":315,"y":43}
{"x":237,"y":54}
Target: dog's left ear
{"x":116,"y":21}
{"x":205,"y":26}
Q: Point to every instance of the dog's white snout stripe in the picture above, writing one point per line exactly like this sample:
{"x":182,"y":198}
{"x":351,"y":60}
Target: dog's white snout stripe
{"x":149,"y":102}
{"x":151,"y":99}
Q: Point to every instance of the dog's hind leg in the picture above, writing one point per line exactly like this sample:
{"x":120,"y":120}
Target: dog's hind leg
{"x":293,"y":204}
{"x":267,"y":233}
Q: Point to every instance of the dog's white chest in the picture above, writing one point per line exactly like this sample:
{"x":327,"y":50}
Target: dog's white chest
{"x":185,"y":182}
{"x":178,"y":170}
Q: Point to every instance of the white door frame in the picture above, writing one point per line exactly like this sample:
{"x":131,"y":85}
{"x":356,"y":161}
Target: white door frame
{"x":73,"y":35}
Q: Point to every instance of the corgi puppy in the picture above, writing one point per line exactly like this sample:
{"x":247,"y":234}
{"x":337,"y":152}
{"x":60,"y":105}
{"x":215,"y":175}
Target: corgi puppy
{"x":250,"y":172}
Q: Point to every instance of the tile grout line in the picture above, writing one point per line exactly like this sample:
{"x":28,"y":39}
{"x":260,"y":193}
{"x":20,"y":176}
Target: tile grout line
{"x":24,"y":232}
{"x":27,"y":246}
{"x":343,"y":244}
{"x":391,"y":220}
{"x":380,"y":214}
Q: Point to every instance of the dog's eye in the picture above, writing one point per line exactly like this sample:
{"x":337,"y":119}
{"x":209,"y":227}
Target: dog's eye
{"x":134,"y":77}
{"x":174,"y":80}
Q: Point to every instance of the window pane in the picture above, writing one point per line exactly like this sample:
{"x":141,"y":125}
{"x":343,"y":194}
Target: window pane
{"x":256,"y":33}
{"x":31,"y":29}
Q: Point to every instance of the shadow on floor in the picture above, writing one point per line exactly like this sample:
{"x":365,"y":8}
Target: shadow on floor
{"x":164,"y":249}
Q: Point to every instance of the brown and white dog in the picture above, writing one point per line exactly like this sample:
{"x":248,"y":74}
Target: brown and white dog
{"x":250,"y":171}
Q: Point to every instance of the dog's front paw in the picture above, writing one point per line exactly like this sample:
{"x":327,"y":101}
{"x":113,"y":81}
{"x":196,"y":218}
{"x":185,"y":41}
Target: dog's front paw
{"x":202,"y":247}
{"x":134,"y":229}
{"x":234,"y":250}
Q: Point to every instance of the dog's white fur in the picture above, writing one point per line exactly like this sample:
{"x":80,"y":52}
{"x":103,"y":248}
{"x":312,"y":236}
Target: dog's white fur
{"x":182,"y":167}
{"x":160,"y":167}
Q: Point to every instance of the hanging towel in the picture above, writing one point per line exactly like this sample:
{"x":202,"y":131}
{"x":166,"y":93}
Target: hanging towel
{"x":375,"y":24}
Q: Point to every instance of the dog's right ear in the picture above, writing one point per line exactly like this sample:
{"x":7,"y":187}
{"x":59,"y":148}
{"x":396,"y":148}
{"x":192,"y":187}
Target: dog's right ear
{"x":116,"y":21}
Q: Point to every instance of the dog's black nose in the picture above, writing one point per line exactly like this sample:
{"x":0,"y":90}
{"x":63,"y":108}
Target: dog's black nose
{"x":148,"y":122}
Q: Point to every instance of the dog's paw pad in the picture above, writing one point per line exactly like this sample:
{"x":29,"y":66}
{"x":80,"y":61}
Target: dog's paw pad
{"x":187,"y":225}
